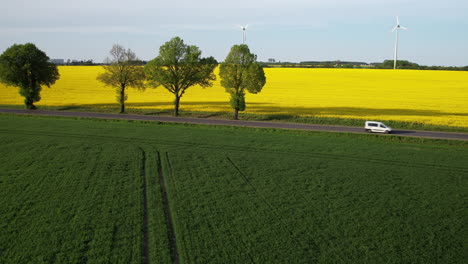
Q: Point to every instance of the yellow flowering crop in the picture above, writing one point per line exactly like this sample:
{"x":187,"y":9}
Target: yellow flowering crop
{"x":431,"y":97}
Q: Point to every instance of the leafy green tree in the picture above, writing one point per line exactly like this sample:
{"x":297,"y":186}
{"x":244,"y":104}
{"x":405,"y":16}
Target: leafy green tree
{"x":239,"y":73}
{"x":122,"y":71}
{"x":27,"y":67}
{"x":179,"y":67}
{"x":401,"y":64}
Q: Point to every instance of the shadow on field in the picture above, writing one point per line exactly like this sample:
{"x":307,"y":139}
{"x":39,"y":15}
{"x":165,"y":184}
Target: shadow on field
{"x":271,"y":112}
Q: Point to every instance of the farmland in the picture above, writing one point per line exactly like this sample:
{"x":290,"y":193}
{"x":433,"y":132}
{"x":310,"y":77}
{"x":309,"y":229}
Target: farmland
{"x":436,"y":98}
{"x":90,"y":190}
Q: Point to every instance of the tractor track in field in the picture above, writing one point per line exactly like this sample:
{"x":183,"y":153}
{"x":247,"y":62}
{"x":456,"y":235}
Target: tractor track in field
{"x":222,"y":122}
{"x":146,"y":255}
{"x":243,"y":149}
{"x":167,"y":212}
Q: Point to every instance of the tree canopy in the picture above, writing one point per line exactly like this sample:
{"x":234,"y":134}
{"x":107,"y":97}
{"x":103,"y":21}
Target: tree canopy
{"x":401,"y":64}
{"x":27,"y":67}
{"x":122,"y":71}
{"x":178,"y":67}
{"x":239,"y":73}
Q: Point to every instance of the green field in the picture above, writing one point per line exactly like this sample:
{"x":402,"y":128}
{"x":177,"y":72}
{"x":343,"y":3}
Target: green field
{"x":83,"y":190}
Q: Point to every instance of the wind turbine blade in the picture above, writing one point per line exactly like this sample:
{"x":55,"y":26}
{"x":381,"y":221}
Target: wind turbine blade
{"x":404,"y":28}
{"x":247,"y":26}
{"x":397,"y":20}
{"x":394,"y":28}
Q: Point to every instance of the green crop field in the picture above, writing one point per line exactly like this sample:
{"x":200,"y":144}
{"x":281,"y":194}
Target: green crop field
{"x":102,"y":191}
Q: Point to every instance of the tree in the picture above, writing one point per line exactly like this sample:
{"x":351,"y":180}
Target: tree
{"x":240,"y":72}
{"x":401,"y":64}
{"x":122,"y":71}
{"x":27,"y":67}
{"x":179,"y":67}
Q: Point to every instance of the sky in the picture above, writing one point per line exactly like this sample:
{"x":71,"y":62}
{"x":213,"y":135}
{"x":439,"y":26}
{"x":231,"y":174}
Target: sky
{"x":286,"y":30}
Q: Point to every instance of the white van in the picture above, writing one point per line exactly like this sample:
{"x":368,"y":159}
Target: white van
{"x":374,"y":126}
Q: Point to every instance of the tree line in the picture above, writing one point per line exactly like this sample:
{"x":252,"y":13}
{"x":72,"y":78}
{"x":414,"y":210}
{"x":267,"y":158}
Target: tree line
{"x":178,"y":67}
{"x":404,"y":64}
{"x":386,"y":64}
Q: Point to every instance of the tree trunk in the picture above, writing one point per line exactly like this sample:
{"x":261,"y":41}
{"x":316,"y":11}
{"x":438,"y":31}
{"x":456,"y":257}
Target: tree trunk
{"x":29,"y":103}
{"x":176,"y":105}
{"x":122,"y":100}
{"x":31,"y":106}
{"x":236,"y":114}
{"x":122,"y":108}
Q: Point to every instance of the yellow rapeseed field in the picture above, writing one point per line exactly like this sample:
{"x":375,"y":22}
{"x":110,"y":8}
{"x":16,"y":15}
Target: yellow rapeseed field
{"x":431,"y":97}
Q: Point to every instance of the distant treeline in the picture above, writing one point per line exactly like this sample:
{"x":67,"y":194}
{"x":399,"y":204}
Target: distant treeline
{"x":91,"y":63}
{"x":317,"y":64}
{"x":403,"y":64}
{"x":387,"y":64}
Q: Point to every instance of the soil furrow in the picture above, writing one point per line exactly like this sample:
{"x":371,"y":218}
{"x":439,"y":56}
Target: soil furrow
{"x":167,"y":212}
{"x":146,"y":258}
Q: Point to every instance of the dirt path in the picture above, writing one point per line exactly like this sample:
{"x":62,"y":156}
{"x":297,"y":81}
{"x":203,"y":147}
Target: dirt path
{"x":329,"y":128}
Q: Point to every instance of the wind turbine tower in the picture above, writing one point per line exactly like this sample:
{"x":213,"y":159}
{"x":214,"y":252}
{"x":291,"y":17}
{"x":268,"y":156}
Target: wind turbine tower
{"x":244,"y":33}
{"x":395,"y":29}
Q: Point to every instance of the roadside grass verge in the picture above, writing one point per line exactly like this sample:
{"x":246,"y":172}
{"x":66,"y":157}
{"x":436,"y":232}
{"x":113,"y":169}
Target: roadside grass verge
{"x":369,"y":136}
{"x":284,"y":118}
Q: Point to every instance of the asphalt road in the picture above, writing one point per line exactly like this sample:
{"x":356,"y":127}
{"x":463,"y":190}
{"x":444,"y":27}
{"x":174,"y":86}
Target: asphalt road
{"x":204,"y":121}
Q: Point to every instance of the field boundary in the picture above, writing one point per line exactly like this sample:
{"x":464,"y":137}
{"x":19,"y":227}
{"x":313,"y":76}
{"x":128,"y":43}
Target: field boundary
{"x":262,"y":117}
{"x":243,"y":149}
{"x":241,"y":123}
{"x":167,"y":213}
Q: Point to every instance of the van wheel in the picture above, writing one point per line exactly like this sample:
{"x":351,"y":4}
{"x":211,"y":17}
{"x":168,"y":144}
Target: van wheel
{"x":368,"y":130}
{"x":386,"y":132}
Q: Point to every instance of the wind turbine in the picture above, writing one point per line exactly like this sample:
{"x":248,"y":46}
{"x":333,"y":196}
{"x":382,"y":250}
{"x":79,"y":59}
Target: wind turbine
{"x":244,"y":34}
{"x":396,"y":28}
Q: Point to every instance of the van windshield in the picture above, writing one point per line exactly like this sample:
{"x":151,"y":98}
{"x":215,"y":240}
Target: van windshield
{"x":383,"y":126}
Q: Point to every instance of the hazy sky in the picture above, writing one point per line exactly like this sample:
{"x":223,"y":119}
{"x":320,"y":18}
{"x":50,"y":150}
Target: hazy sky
{"x":286,"y":30}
